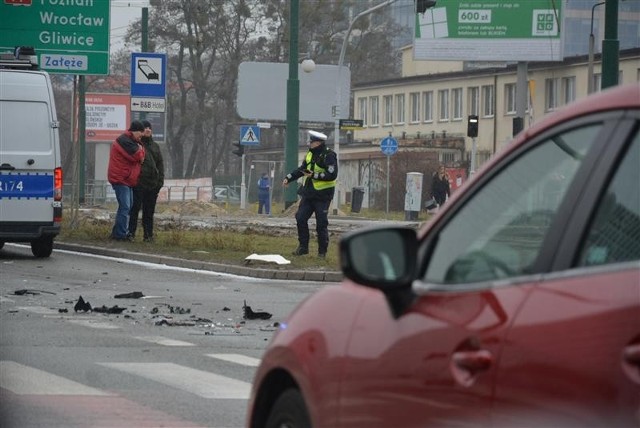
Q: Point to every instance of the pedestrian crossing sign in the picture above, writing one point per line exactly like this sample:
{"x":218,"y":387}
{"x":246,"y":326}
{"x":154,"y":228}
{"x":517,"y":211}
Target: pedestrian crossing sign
{"x":249,"y":135}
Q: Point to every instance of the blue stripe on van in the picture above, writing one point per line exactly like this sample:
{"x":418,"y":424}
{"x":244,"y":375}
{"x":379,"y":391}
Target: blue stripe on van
{"x":26,"y":186}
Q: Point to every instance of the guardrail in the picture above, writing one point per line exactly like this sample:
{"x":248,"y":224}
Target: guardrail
{"x":100,"y":192}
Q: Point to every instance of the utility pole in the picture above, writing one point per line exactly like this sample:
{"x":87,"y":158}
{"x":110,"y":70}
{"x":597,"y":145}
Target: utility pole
{"x":293,"y":103}
{"x":82,"y":118}
{"x":610,"y":45}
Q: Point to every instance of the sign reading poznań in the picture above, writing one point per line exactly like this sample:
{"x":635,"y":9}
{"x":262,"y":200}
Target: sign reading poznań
{"x":70,"y":36}
{"x":490,"y":30}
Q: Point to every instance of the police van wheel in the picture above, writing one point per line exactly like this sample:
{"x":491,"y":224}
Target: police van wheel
{"x":42,"y":247}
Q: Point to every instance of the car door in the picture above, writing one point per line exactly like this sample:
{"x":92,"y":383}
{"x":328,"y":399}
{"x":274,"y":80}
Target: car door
{"x":435,"y":365}
{"x":572,"y":356}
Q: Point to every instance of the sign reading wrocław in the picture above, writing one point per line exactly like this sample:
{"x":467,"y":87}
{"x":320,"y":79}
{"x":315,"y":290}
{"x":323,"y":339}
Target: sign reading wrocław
{"x":70,"y":36}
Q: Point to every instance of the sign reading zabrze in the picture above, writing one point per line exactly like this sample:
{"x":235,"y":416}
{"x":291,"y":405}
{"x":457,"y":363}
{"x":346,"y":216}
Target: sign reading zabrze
{"x":70,"y":36}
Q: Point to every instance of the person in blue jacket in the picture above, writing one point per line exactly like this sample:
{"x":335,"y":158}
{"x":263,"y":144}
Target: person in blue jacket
{"x":264,"y":186}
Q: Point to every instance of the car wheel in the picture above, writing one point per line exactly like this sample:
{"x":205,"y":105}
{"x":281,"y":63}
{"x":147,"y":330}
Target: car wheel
{"x":1,"y":244}
{"x":42,"y":247}
{"x":289,"y":411}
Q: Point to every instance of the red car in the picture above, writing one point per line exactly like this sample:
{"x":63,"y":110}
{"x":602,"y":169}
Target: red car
{"x":517,"y":306}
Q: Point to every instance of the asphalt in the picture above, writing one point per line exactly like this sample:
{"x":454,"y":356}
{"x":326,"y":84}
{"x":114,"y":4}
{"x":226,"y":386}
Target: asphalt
{"x":337,"y":225}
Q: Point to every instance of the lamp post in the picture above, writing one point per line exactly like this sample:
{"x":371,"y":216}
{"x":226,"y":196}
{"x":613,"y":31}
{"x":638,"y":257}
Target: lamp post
{"x":293,"y":103}
{"x":421,"y":5}
{"x":590,"y":87}
{"x":610,"y":45}
{"x":336,"y":108}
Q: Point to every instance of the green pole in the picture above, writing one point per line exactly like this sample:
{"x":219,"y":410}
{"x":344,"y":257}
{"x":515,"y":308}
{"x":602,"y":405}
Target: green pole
{"x":144,"y":45}
{"x":145,"y":29}
{"x":293,"y":104}
{"x":82,"y":115}
{"x":610,"y":45}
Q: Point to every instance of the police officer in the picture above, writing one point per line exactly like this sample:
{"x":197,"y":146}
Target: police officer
{"x":320,"y":171}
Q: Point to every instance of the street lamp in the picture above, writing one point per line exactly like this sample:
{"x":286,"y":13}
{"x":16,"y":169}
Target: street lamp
{"x":308,"y":65}
{"x":336,"y":107}
{"x":421,"y":5}
{"x":590,"y":83}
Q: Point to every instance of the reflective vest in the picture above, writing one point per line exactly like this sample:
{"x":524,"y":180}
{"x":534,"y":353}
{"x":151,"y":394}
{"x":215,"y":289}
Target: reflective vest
{"x":317,"y":184}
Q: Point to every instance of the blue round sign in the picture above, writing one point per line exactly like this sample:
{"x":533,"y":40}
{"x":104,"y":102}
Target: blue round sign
{"x":389,"y":146}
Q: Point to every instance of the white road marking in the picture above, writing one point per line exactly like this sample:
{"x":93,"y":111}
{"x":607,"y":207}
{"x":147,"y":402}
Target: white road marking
{"x":164,"y":341}
{"x":24,"y":380}
{"x":204,"y":384}
{"x":38,"y":310}
{"x":93,"y":324}
{"x":237,"y":358}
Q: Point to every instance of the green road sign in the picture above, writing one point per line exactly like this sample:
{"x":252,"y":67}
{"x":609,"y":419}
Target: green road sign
{"x":70,"y":36}
{"x":490,"y":30}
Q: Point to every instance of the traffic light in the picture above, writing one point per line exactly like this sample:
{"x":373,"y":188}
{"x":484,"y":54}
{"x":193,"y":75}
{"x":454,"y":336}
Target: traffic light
{"x":239,"y":151}
{"x":472,"y":126}
{"x":423,"y":5}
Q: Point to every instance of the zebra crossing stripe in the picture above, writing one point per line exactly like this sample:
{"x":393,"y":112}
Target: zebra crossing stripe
{"x":204,"y":384}
{"x":164,"y":341}
{"x":25,"y":380}
{"x":237,"y":358}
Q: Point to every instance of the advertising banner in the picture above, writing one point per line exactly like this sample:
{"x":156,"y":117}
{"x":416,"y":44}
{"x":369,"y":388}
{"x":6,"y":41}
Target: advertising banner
{"x":490,"y":30}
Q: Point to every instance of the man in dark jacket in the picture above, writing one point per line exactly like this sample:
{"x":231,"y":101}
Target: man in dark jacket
{"x":320,"y":171}
{"x":124,"y":169}
{"x":151,"y":180}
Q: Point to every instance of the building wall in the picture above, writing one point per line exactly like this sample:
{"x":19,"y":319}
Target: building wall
{"x":568,"y":80}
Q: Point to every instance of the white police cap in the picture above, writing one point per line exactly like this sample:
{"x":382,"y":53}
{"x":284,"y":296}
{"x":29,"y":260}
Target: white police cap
{"x":316,"y":136}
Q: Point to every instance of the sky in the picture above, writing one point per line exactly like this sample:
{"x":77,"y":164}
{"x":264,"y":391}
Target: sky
{"x":123,"y":12}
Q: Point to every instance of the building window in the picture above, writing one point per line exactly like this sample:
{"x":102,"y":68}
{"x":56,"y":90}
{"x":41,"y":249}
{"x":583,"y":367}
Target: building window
{"x":362,"y":106}
{"x":568,"y":89}
{"x":400,"y":108}
{"x":443,"y":102}
{"x":388,"y":109}
{"x":474,"y":100}
{"x":456,"y":96}
{"x":488,"y":101}
{"x":414,"y":100}
{"x":428,"y":106}
{"x":551,"y":94}
{"x":597,"y":82}
{"x":510,"y":98}
{"x":374,"y":111}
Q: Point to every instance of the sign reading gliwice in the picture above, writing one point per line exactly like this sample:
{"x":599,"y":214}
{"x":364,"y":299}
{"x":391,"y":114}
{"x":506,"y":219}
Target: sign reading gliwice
{"x":70,"y":37}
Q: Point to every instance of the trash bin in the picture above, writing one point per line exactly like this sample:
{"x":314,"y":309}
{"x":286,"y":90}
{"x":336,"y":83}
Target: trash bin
{"x":357,"y":195}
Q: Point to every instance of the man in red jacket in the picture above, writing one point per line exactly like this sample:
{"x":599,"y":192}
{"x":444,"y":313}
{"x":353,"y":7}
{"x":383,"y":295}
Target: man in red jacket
{"x":125,"y":160}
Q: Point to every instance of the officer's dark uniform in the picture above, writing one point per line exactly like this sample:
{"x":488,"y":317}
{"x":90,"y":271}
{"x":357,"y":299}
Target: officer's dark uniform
{"x":316,"y":192}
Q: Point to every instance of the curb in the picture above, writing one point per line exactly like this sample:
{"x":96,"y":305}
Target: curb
{"x":265,"y":273}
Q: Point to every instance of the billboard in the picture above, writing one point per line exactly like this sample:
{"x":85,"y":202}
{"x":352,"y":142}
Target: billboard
{"x":107,"y":116}
{"x":262,"y":92}
{"x":490,"y":30}
{"x":69,"y":37}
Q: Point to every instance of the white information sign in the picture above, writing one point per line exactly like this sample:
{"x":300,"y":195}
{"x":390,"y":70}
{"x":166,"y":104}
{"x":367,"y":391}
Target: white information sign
{"x":105,"y":117}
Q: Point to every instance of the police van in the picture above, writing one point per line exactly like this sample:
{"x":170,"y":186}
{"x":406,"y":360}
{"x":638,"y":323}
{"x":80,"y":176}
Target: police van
{"x":30,"y":164}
